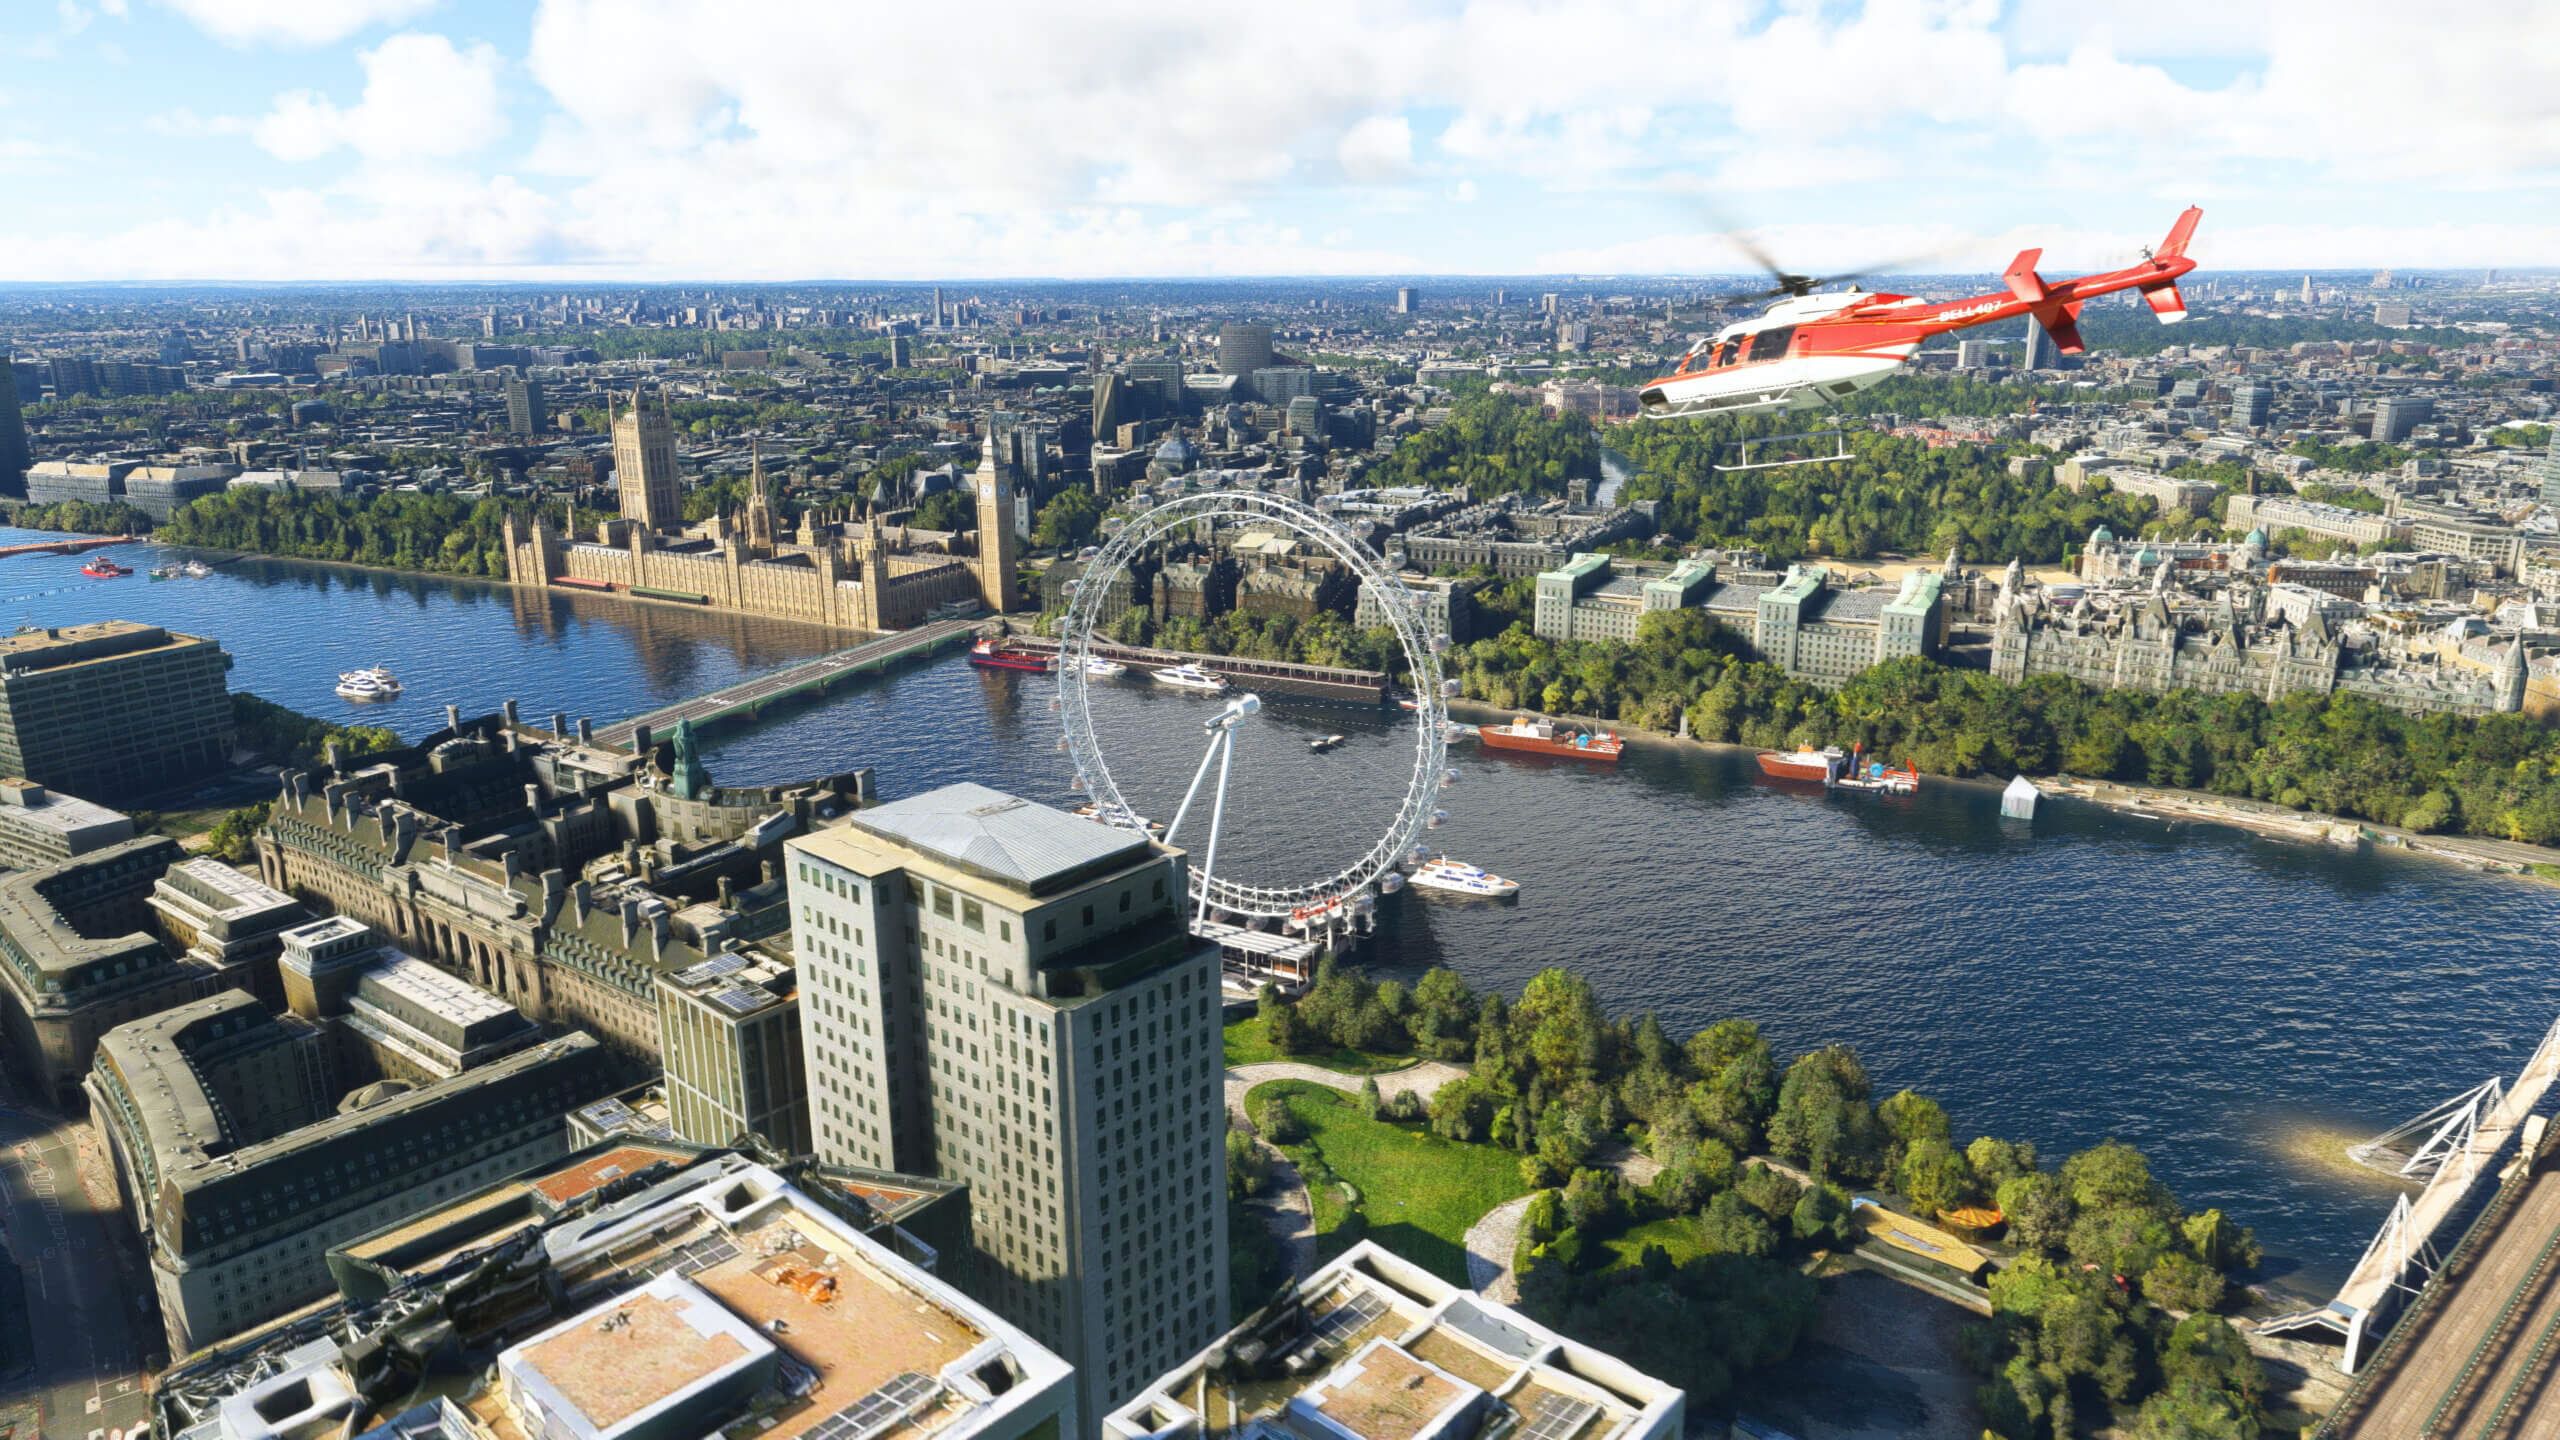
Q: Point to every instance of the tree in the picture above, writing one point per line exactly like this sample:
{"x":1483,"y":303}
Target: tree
{"x":1908,"y":1118}
{"x":1933,"y":1177}
{"x":1443,"y":1022}
{"x":2112,"y":1173}
{"x":1823,"y":1121}
{"x":1595,"y":1202}
{"x":2038,"y":1209}
{"x":1070,"y":519}
{"x":2181,"y":1282}
{"x":1371,"y":1102}
{"x":1282,"y":1027}
{"x":1732,"y":1226}
{"x":1559,"y":1024}
{"x":1822,"y":1216}
{"x":1997,"y":1162}
{"x":1278,"y":1123}
{"x":1767,"y":1191}
{"x":1247,"y":1168}
{"x":1737,"y":1085}
{"x":1463,"y":1109}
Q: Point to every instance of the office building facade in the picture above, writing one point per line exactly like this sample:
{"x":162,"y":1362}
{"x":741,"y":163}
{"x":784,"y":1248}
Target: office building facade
{"x":729,"y":1038}
{"x":525,"y":412}
{"x":1243,"y":349}
{"x":40,"y":828}
{"x":15,"y":456}
{"x":114,"y":710}
{"x":1000,"y":993}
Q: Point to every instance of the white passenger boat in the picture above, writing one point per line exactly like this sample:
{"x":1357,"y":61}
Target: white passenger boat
{"x":1191,"y":677}
{"x":1100,"y":669}
{"x":1462,"y":879}
{"x":374,"y":683}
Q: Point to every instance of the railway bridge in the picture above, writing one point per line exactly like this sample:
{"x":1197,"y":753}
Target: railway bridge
{"x":2478,"y":1146}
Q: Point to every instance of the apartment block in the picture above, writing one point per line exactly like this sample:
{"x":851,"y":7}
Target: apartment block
{"x":1000,"y":993}
{"x":113,"y":710}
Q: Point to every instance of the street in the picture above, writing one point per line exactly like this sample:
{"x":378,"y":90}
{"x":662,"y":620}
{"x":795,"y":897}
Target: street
{"x":89,"y":1309}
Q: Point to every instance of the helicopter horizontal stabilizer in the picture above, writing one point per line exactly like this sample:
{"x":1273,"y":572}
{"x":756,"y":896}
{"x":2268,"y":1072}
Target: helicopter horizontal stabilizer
{"x":2061,"y":322}
{"x":2166,"y":302}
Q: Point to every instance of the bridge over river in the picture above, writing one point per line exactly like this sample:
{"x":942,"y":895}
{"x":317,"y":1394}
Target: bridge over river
{"x":749,"y":697}
{"x":2475,"y":1347}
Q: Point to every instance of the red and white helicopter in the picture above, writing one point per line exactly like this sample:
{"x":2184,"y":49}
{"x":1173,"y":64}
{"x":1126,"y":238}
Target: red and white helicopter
{"x":1816,"y":347}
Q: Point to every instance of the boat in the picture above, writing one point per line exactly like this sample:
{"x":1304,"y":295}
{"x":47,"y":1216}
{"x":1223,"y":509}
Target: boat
{"x":1323,"y":743}
{"x":197,"y":569}
{"x":989,"y":654}
{"x":1121,"y":817}
{"x":102,"y":568}
{"x":372,"y":683}
{"x":1804,"y":763}
{"x":1876,"y":777}
{"x":1191,"y":677}
{"x":165,"y":572}
{"x":1443,"y":873}
{"x":1100,"y":669}
{"x":1542,"y":736}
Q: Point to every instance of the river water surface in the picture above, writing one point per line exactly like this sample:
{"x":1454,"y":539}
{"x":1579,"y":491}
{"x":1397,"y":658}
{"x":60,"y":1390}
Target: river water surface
{"x":2240,"y":1008}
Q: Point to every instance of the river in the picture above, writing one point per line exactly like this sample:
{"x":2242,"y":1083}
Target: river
{"x":2240,"y":1008}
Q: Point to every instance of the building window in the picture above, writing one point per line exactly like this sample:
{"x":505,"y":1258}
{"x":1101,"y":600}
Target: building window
{"x":973,"y":915}
{"x":941,"y":902}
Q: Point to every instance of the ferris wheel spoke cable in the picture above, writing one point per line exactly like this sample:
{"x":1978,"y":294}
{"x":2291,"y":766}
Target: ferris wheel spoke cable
{"x":1418,"y":786}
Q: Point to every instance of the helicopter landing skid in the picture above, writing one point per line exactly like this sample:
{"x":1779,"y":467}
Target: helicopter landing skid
{"x":1838,"y":437}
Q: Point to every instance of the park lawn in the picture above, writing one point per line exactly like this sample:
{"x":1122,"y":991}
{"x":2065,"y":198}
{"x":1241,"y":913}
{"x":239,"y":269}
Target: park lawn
{"x":1676,"y":1234}
{"x":1248,"y":1044}
{"x":1418,"y":1191}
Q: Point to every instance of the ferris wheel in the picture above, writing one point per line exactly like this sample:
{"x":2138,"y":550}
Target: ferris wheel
{"x":1328,"y":890}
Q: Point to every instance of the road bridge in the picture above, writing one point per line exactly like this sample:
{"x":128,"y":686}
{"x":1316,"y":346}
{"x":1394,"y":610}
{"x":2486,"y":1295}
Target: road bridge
{"x":2460,"y":1149}
{"x":748,"y":698}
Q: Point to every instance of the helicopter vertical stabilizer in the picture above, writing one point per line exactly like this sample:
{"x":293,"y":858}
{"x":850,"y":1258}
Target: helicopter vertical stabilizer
{"x":2022,"y":279}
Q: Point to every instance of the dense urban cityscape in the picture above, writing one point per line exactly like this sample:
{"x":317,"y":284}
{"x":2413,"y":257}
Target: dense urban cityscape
{"x":603,"y":845}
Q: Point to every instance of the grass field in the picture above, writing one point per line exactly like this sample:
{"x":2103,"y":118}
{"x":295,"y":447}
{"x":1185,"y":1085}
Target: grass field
{"x":1677,"y":1234}
{"x":1418,"y":1192}
{"x":1248,"y":1045}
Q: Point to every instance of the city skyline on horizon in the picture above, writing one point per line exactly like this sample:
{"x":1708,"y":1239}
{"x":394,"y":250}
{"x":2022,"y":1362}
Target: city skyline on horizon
{"x":460,"y":141}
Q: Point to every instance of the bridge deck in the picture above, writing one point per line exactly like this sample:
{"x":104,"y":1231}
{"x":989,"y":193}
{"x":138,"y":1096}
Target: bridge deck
{"x":749,"y":696}
{"x":2479,"y":1360}
{"x":2374,"y":1277}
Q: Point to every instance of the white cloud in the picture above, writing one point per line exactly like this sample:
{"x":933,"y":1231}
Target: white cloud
{"x":1377,"y":150}
{"x":708,"y":138}
{"x":423,"y":99}
{"x":292,"y":22}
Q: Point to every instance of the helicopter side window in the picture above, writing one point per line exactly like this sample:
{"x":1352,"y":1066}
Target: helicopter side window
{"x":1724,"y":353}
{"x":1771,"y":344}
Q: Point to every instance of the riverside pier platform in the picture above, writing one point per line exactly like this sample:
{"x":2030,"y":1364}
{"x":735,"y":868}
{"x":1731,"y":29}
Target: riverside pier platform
{"x":748,"y":698}
{"x":1321,"y":682}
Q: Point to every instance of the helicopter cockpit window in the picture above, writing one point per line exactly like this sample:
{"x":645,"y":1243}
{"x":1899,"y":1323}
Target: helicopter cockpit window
{"x":1770,"y":344}
{"x":1724,"y":353}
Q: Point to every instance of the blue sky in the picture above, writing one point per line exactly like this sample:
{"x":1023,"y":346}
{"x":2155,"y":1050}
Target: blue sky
{"x":755,"y":139}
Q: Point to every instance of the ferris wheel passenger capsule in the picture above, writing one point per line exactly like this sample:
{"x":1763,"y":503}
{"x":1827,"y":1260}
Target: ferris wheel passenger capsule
{"x":1077,"y":784}
{"x":1062,"y":744}
{"x":1448,"y":779}
{"x":1439,"y":818}
{"x":1449,"y":689}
